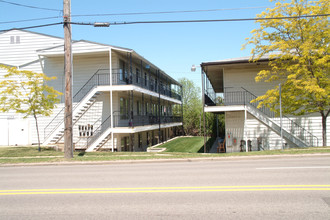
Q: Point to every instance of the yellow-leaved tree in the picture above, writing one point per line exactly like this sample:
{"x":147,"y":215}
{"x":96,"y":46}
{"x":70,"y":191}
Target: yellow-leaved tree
{"x":299,"y":56}
{"x":26,"y":92}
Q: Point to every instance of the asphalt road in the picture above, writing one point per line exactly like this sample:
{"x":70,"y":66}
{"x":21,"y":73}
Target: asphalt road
{"x":278,"y":188}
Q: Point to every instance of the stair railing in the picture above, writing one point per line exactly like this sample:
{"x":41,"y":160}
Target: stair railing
{"x":98,"y":78}
{"x":99,"y":131}
{"x":245,"y":97}
{"x":78,"y":145}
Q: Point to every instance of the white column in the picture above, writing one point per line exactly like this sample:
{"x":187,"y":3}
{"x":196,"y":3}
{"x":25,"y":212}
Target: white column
{"x":111,"y":106}
{"x":245,"y":135}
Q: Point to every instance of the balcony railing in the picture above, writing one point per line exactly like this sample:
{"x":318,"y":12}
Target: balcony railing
{"x":124,"y":121}
{"x":245,"y":97}
{"x":99,"y":78}
{"x":102,"y":77}
{"x":141,"y":120}
{"x":120,"y":77}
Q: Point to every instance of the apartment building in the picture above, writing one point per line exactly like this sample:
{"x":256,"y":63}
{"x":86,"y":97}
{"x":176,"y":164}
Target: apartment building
{"x":121,"y":101}
{"x":229,"y":87}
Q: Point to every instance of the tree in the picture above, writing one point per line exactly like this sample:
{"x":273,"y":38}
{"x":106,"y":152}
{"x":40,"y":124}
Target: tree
{"x":192,"y":107}
{"x":25,"y":92}
{"x":299,"y":55}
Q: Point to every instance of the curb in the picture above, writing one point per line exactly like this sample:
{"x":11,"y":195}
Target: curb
{"x":198,"y":159}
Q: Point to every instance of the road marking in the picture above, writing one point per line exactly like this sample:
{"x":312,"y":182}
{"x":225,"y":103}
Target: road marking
{"x":287,"y":168}
{"x":167,"y":189}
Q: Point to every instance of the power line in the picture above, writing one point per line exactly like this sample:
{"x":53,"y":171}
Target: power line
{"x":32,"y":19}
{"x":203,"y":21}
{"x":30,"y":27}
{"x":167,"y":12}
{"x":178,"y":21}
{"x":29,"y":6}
{"x":134,"y":13}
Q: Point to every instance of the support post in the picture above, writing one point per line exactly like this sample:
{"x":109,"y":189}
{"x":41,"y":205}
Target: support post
{"x":181,"y":93}
{"x":203,"y":102}
{"x":245,"y":136}
{"x":111,"y":98}
{"x":159,"y":111}
{"x":68,"y":136}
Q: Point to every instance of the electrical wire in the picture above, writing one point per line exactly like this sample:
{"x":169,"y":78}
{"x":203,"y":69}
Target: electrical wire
{"x":32,"y":19}
{"x":211,"y":20}
{"x":30,"y":27}
{"x":178,"y":21}
{"x":167,"y":12}
{"x":134,"y":13}
{"x":29,"y":6}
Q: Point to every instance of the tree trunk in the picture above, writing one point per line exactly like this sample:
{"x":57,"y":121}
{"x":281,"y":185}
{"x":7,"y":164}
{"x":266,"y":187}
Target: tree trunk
{"x":35,"y":117}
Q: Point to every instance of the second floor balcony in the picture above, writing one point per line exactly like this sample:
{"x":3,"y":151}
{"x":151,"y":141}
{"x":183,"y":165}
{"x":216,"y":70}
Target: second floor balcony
{"x":120,"y":77}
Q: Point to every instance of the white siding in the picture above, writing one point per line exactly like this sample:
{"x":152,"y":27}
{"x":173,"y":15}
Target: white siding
{"x":83,"y":69}
{"x":244,"y":76}
{"x":77,"y":48}
{"x":17,"y":54}
{"x":88,"y":58}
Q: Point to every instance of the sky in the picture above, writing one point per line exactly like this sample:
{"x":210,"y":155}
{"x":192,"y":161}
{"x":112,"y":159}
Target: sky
{"x":174,"y":48}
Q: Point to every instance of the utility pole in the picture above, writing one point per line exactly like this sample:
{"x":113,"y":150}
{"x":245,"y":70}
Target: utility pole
{"x":68,"y":137}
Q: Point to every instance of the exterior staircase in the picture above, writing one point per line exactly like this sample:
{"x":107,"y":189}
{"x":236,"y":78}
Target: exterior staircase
{"x":101,"y":136}
{"x":293,"y":133}
{"x":82,"y":101}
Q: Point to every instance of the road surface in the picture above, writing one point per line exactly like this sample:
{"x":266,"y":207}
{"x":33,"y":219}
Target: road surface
{"x":277,"y":188}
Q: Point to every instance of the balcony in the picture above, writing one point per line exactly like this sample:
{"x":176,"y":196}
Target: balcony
{"x":141,"y":120}
{"x":120,"y":77}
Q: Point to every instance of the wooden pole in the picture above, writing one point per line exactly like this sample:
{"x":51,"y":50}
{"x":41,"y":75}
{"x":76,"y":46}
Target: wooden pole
{"x":68,"y":137}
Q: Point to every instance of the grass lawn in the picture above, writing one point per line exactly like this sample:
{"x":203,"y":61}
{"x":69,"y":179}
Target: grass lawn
{"x":184,"y":147}
{"x":184,"y":144}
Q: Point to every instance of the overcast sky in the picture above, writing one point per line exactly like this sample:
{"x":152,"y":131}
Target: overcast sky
{"x":172,"y":47}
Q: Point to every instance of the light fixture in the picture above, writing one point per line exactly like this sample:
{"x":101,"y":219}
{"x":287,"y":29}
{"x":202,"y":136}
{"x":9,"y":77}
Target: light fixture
{"x":193,"y":68}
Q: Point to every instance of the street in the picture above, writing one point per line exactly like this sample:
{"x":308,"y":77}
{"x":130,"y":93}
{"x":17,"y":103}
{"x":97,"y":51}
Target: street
{"x":268,"y":188}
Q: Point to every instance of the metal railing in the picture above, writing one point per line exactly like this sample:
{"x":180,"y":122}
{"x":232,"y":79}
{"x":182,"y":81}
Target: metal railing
{"x":102,"y":77}
{"x":120,"y":77}
{"x":106,"y":124}
{"x":99,"y":78}
{"x":245,"y":98}
{"x":83,"y":139}
{"x":141,"y":120}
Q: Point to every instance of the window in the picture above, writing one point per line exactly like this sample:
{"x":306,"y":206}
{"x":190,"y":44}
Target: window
{"x":148,"y":139}
{"x":123,"y":108}
{"x":138,"y":108}
{"x":122,"y":71}
{"x":140,"y":140}
{"x":18,"y":39}
{"x":145,"y":79}
{"x":124,"y":144}
{"x":12,"y":39}
{"x":137,"y":75}
{"x":152,"y":138}
{"x":146,"y":108}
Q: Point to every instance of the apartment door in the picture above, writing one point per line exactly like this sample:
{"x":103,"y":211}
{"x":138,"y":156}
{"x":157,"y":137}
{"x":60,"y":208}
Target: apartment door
{"x":124,"y":144}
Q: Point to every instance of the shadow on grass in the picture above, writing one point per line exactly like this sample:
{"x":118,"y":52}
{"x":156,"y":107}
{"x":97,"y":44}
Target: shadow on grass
{"x":81,"y":154}
{"x":209,"y":144}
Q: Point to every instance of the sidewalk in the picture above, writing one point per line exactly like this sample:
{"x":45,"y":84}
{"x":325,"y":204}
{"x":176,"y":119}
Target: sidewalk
{"x":196,"y":159}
